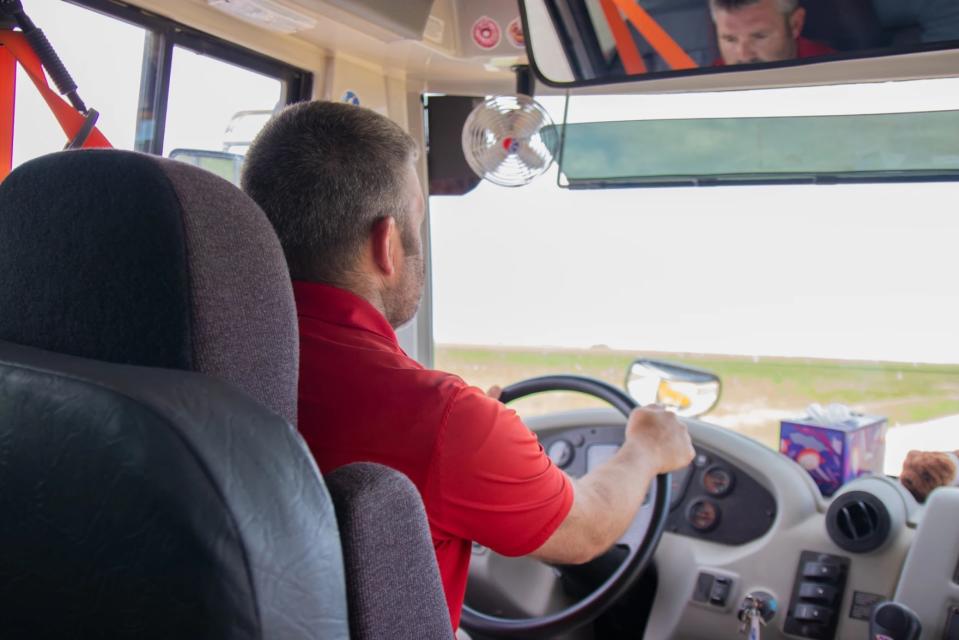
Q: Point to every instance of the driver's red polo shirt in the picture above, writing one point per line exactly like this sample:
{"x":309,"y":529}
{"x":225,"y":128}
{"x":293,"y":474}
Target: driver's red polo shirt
{"x":481,"y":472}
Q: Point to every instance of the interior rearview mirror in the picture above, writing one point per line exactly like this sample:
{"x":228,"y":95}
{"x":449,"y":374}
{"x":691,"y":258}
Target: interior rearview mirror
{"x":688,"y":391}
{"x":583,"y":42}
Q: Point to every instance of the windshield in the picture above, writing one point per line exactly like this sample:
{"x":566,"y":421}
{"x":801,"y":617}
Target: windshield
{"x":792,"y":294}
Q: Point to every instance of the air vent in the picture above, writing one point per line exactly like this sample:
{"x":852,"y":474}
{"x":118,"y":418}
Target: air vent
{"x":858,"y":521}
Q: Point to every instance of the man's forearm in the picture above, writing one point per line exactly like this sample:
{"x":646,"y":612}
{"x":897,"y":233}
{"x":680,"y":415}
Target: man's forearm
{"x":616,"y":491}
{"x":606,"y":501}
{"x":607,"y":498}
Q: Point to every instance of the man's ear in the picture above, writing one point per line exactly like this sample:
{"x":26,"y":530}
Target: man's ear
{"x":796,"y":22}
{"x":382,"y":239}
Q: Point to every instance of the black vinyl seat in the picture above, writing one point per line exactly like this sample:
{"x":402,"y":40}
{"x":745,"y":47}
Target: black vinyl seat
{"x":147,"y":503}
{"x":151,"y":483}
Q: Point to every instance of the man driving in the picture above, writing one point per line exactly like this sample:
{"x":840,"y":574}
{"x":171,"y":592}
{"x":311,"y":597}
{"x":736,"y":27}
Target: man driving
{"x":339,"y":184}
{"x":762,"y":31}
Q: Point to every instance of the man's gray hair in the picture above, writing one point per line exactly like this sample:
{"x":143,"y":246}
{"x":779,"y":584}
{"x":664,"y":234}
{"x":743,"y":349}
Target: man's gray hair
{"x":324,"y":173}
{"x":787,"y":7}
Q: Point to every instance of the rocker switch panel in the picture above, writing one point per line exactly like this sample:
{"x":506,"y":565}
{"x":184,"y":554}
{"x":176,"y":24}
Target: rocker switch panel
{"x":817,"y":595}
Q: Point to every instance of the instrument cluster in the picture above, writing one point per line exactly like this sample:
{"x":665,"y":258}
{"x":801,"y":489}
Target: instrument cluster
{"x":714,"y":499}
{"x":711,"y":499}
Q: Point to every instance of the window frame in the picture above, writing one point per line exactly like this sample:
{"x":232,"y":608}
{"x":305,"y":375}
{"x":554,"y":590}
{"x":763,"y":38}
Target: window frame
{"x":162,"y":35}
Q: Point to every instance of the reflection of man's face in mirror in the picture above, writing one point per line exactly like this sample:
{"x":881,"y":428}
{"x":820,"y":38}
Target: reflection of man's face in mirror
{"x":757,"y":30}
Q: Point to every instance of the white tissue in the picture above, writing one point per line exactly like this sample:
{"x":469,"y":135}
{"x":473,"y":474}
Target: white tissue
{"x":830,"y":415}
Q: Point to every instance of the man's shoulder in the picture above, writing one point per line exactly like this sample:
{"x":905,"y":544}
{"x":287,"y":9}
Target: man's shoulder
{"x":455,"y":391}
{"x":442,"y":381}
{"x":464,"y":406}
{"x":408,"y":374}
{"x":368,"y":365}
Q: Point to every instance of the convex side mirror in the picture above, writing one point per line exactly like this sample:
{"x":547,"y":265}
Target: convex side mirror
{"x":688,"y":391}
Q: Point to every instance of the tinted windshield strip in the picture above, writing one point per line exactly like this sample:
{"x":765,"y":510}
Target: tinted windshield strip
{"x":797,"y":149}
{"x":713,"y":181}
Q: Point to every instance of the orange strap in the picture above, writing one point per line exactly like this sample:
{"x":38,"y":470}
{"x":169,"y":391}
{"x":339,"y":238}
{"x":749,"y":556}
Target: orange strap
{"x":71,"y":120}
{"x":628,"y":52}
{"x":674,"y":55}
{"x":8,"y":99}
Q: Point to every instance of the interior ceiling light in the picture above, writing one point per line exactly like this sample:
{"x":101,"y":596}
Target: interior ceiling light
{"x":265,"y":13}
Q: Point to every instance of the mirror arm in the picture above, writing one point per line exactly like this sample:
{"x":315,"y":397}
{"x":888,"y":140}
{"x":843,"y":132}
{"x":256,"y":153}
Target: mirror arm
{"x":525,"y":82}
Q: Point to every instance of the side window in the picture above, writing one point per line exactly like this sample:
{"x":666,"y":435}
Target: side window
{"x":153,"y":91}
{"x":215,"y":105}
{"x":106,"y":68}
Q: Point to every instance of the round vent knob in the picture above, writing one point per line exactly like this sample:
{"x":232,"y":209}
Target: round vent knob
{"x":858,"y":522}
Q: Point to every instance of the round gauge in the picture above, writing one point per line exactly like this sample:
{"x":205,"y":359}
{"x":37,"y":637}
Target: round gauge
{"x":561,"y":453}
{"x":718,"y":481}
{"x":703,"y":515}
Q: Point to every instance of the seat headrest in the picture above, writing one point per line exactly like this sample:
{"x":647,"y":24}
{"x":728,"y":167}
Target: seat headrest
{"x":133,"y":259}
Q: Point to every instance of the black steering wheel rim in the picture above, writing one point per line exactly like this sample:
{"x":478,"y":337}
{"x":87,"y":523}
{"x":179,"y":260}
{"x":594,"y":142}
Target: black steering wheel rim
{"x":588,"y":608}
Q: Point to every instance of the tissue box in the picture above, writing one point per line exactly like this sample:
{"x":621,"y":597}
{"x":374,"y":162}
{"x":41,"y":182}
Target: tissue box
{"x":835,"y":454}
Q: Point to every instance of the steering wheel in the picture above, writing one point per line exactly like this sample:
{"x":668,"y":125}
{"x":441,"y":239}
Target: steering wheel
{"x":640,"y":539}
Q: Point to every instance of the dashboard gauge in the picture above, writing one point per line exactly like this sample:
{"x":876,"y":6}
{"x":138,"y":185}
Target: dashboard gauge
{"x":561,"y":453}
{"x":702,"y":515}
{"x":718,"y":482}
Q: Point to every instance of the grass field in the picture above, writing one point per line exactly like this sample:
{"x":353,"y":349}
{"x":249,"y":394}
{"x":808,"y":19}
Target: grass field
{"x":757,"y":392}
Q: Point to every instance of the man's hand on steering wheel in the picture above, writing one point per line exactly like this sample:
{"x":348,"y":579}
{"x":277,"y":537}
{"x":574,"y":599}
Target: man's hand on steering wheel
{"x":661,"y":437}
{"x":608,"y":510}
{"x":609,"y":496}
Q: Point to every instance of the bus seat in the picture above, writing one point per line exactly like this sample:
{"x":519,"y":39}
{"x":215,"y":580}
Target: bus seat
{"x":127,"y":258}
{"x":151,"y":485}
{"x":913,"y":22}
{"x":392,"y":579}
{"x":845,"y":25}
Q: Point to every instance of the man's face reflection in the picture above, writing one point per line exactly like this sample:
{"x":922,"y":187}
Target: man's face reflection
{"x":758,"y":32}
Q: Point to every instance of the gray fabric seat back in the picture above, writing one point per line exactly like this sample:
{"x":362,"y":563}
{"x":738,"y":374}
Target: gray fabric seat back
{"x":392,"y":579}
{"x":129,"y":258}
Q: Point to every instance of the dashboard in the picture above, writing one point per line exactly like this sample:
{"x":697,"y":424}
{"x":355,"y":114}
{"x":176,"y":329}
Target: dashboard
{"x":711,"y":499}
{"x":746,"y":520}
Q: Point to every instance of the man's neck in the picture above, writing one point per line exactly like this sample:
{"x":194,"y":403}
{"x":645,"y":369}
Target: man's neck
{"x":359,"y":285}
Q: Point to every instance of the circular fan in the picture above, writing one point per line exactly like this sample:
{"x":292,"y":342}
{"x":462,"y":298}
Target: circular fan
{"x":504,"y":140}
